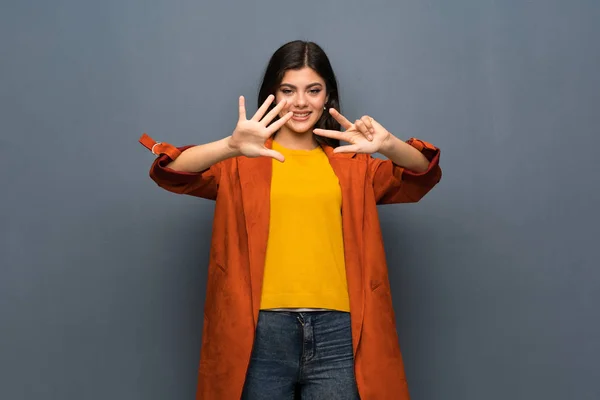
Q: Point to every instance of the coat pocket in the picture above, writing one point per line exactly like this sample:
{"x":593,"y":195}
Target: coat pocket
{"x":215,"y":288}
{"x":382,"y":297}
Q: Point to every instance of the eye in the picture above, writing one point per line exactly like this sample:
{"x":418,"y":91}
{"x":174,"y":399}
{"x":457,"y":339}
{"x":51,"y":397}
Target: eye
{"x":286,"y":91}
{"x":315,"y":91}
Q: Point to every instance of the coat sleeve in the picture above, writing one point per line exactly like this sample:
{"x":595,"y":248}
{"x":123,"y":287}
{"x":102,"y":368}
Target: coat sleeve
{"x":200,"y":184}
{"x":394,"y":184}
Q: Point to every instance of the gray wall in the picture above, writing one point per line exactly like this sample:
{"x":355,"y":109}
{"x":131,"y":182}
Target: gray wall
{"x":494,"y":274}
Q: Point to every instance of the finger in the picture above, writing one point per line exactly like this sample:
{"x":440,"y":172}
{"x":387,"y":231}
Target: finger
{"x":330,"y":134}
{"x":263,"y":109}
{"x":273,"y":113}
{"x":368,"y":121}
{"x":274,"y":127}
{"x":273,"y":154}
{"x":242,"y":108}
{"x":363,"y":129}
{"x":340,"y":118}
{"x":351,"y":148}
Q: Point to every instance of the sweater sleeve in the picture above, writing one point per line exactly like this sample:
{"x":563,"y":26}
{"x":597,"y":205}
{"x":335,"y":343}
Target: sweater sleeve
{"x":395,"y":184}
{"x":200,"y":184}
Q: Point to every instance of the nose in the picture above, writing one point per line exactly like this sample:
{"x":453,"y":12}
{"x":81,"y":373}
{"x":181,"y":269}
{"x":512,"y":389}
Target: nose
{"x":300,"y":100}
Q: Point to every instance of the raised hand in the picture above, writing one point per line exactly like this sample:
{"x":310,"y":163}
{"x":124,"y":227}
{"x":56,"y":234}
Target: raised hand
{"x":365,"y":135}
{"x":250,"y":135}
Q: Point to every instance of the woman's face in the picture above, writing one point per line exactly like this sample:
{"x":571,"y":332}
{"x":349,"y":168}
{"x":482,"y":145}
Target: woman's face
{"x":305,"y":93}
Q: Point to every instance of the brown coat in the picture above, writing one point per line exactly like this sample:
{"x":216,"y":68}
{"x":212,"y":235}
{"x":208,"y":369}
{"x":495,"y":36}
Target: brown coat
{"x":241,"y":187}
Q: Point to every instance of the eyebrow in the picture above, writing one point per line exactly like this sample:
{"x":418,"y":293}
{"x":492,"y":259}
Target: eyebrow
{"x":294,"y":87}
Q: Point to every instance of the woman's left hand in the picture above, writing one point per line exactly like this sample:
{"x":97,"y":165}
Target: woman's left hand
{"x":365,"y":135}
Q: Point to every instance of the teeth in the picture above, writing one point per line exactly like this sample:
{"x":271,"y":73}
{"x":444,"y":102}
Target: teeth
{"x":301,"y":115}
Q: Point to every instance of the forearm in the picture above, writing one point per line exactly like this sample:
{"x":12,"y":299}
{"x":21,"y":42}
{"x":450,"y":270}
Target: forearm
{"x":199,"y":158}
{"x":404,"y":155}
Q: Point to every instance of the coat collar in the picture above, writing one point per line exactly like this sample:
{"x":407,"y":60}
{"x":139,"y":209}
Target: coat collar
{"x":255,"y":181}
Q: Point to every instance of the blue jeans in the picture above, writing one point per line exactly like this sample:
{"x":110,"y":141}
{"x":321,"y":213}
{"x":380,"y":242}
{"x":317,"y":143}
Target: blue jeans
{"x":302,"y":355}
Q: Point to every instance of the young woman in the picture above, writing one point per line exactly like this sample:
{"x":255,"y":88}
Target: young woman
{"x":298,"y":301}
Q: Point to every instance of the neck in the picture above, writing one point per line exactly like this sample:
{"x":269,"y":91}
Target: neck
{"x":294,"y":140}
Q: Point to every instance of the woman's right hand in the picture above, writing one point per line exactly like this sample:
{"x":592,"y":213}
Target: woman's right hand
{"x":249,"y":136}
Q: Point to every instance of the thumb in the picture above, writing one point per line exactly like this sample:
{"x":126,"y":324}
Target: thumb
{"x":347,"y":149}
{"x":273,"y":154}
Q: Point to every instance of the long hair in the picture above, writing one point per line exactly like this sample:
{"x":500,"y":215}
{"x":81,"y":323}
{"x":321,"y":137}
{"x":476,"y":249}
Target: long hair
{"x":297,"y":55}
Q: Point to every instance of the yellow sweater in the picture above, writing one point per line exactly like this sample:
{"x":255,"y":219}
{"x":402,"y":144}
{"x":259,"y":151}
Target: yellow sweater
{"x":305,"y":265}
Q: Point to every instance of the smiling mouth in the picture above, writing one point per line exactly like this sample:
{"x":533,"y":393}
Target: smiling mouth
{"x":301,"y":116}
